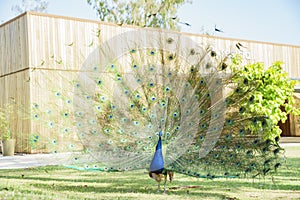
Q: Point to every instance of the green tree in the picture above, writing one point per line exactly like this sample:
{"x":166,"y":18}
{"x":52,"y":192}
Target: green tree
{"x":145,"y":13}
{"x":31,"y":5}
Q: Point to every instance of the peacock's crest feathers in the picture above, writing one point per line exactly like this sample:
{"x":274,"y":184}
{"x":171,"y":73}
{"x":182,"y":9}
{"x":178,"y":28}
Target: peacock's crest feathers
{"x":132,"y":88}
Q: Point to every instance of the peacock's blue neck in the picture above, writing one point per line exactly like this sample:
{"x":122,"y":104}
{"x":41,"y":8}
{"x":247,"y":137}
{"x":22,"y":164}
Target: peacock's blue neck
{"x":157,"y":162}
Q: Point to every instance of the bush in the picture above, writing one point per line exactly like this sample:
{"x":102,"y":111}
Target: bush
{"x":268,"y":94}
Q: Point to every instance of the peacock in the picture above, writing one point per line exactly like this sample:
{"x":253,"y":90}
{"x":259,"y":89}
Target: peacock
{"x":157,"y":101}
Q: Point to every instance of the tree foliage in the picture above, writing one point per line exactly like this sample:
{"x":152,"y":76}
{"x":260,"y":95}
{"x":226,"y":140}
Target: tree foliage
{"x":145,"y":13}
{"x":31,"y":5}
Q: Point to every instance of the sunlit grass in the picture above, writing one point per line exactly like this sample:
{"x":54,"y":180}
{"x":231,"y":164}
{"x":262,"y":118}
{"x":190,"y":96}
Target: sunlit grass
{"x":63,"y":183}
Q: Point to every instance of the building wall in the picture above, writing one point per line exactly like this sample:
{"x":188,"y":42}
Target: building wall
{"x":14,"y":45}
{"x":14,"y":74}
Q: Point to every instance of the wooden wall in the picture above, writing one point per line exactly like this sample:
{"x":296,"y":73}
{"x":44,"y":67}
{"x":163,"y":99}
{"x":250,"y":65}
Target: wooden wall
{"x":72,"y":40}
{"x":14,"y":75}
{"x":41,"y":52}
{"x":14,"y":45}
{"x":257,"y":51}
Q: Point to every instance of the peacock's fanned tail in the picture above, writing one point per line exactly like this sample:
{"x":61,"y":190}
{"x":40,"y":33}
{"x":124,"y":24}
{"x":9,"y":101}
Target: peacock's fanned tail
{"x":109,"y":114}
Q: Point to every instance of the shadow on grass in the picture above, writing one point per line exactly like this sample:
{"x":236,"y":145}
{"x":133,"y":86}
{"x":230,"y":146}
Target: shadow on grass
{"x":128,"y":189}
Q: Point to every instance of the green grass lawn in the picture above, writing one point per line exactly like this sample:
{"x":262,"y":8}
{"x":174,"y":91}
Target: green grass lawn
{"x":63,"y":183}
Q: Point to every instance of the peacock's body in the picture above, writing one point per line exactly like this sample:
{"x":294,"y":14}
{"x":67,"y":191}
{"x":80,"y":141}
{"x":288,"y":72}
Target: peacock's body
{"x":132,"y":88}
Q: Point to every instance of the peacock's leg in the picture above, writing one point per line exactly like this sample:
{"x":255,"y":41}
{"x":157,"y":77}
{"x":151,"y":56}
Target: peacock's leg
{"x":165,"y":183}
{"x":158,"y":180}
{"x":158,"y":186}
{"x":171,"y":175}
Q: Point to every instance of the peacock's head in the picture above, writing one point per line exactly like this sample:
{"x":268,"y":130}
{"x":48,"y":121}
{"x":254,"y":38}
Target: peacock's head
{"x":160,"y":133}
